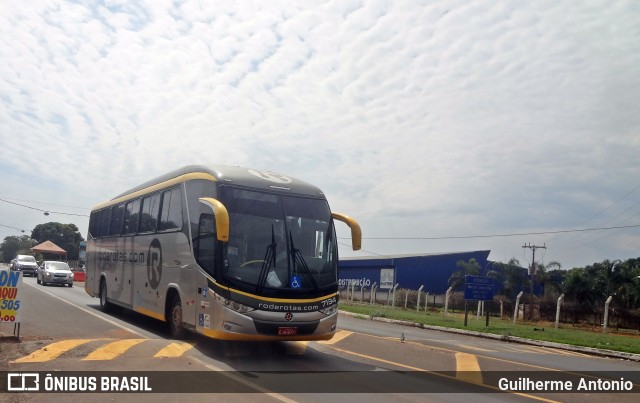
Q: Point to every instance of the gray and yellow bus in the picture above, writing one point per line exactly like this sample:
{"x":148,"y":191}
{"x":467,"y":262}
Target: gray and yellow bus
{"x":229,"y":252}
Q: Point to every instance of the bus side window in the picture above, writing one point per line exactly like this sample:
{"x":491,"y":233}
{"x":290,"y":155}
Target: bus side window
{"x":171,"y":213}
{"x":149,"y":214}
{"x":116,"y":219}
{"x":94,"y":224}
{"x":131,"y":214}
{"x":105,"y":218}
{"x":205,"y":244}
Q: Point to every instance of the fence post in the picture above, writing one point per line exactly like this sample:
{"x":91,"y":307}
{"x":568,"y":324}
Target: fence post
{"x":426,"y":301}
{"x":515,"y":310}
{"x":418,"y":303}
{"x":606,"y":313}
{"x":560,"y":299}
{"x":372,"y":298}
{"x":446,"y":301}
{"x":353,"y":290}
{"x":394,"y":295}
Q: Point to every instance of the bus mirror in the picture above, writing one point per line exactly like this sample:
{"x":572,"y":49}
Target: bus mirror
{"x":356,"y":232}
{"x":222,"y":217}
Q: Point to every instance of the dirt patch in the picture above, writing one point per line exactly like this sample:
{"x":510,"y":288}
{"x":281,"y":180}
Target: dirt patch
{"x":9,"y":350}
{"x":12,"y":348}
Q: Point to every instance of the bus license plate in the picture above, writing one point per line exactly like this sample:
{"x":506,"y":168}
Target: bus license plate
{"x":287,"y":331}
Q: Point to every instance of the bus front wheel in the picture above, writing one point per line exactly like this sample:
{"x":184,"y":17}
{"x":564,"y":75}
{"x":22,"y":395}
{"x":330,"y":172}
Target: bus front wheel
{"x":175,"y":318}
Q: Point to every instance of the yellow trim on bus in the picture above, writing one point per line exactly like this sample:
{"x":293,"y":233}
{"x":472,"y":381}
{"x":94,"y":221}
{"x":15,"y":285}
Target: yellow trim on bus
{"x":156,"y":187}
{"x":222,"y":217}
{"x":150,"y":313}
{"x":266,"y":299}
{"x":356,"y":231}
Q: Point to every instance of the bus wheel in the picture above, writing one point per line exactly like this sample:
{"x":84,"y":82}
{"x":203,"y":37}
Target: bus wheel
{"x":175,"y":318}
{"x":105,"y":306}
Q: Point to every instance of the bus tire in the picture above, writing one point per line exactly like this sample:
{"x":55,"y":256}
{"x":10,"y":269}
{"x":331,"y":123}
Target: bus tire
{"x":105,"y":305}
{"x":176,"y":325}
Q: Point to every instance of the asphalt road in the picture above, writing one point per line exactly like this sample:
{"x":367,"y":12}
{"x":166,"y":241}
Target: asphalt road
{"x":63,"y":329}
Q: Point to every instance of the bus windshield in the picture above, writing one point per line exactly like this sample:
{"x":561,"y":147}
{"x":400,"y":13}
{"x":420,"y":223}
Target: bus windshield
{"x":278,"y":242}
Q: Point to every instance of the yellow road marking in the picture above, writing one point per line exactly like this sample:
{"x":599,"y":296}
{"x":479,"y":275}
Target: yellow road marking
{"x":340,"y":335}
{"x":569,"y":352}
{"x":436,"y":373}
{"x":112,"y":350}
{"x":534,"y":350}
{"x":173,"y":350}
{"x":549,"y":350}
{"x":52,"y":350}
{"x":475,"y":348}
{"x":467,"y":368}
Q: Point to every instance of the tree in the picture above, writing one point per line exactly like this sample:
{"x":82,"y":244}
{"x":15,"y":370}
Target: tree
{"x":592,"y":285}
{"x":513,"y":277}
{"x":554,"y":285}
{"x":472,"y":267}
{"x":579,"y":287}
{"x":15,"y":245}
{"x":65,"y":236}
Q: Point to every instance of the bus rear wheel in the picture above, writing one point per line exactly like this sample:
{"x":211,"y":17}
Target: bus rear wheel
{"x":176,"y":325}
{"x":105,"y":305}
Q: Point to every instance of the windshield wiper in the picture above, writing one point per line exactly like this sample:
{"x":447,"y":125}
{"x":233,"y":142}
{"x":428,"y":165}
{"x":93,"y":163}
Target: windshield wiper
{"x":297,"y":257}
{"x":269,"y":260}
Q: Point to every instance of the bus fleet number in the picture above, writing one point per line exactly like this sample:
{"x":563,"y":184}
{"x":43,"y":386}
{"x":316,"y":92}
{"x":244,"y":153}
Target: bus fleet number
{"x":329,"y":301}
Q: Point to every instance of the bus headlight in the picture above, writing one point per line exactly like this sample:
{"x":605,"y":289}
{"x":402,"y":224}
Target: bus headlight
{"x":330,"y":310}
{"x":234,"y":306}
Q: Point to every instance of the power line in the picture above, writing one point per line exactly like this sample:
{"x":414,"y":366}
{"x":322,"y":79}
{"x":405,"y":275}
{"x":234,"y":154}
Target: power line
{"x":46,"y":212}
{"x":584,"y":239}
{"x":8,"y":226}
{"x":367,"y":251}
{"x":47,"y":204}
{"x":612,"y":204}
{"x":504,"y":235}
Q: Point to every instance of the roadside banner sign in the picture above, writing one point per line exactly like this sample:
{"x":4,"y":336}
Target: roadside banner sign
{"x":478,"y":288}
{"x":10,"y":302}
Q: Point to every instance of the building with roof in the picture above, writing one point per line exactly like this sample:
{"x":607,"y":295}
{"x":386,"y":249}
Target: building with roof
{"x":408,"y":271}
{"x":48,"y":248}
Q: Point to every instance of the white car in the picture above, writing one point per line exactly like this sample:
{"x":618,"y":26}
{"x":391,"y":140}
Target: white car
{"x":26,"y":264}
{"x":52,"y":272}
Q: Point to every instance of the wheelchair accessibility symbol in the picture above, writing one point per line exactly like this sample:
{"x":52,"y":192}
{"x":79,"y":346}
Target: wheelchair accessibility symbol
{"x":295,"y":282}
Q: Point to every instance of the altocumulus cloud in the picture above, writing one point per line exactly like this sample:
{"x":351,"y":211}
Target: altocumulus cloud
{"x":420,"y":118}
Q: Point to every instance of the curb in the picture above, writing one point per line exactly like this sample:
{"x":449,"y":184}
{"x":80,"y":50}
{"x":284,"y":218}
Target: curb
{"x":505,"y":338}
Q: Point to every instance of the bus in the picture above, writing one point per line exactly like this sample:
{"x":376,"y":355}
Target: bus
{"x":228,"y":252}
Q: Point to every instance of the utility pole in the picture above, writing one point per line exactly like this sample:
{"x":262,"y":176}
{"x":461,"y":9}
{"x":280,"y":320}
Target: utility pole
{"x":532,"y":272}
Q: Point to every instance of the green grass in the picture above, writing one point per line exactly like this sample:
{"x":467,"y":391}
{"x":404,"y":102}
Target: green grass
{"x":566,"y":334}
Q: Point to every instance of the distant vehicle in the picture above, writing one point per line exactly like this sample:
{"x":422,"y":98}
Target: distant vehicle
{"x":228,"y":252}
{"x":26,"y":264}
{"x":51,"y":272}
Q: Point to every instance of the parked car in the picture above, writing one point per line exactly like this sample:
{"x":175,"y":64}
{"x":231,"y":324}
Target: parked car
{"x":26,"y":264}
{"x":52,"y":272}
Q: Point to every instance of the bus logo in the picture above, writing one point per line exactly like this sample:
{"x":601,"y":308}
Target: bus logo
{"x":154,"y":264}
{"x":271,"y":176}
{"x":288,"y":316}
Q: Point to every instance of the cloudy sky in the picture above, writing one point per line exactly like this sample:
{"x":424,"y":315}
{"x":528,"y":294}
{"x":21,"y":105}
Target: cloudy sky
{"x":436,"y":124}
